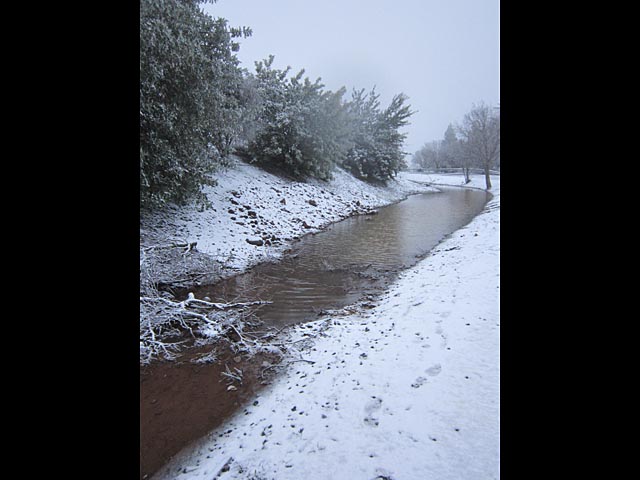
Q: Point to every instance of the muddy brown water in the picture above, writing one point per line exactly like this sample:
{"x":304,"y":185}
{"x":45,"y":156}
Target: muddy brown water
{"x":181,"y":402}
{"x":351,"y":258}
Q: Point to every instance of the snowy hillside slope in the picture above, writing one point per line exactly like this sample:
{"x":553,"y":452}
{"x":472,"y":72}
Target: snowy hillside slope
{"x":255,"y":215}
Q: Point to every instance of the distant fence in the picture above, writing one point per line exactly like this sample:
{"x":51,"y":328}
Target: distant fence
{"x":452,"y":171}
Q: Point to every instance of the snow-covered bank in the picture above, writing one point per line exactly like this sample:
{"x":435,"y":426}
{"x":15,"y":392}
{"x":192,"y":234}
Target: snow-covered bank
{"x":255,"y":215}
{"x":408,"y":389}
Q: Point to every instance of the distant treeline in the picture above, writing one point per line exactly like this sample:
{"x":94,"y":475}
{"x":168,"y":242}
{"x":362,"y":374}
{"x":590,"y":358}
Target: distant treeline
{"x":475,"y":143}
{"x":197,"y":106}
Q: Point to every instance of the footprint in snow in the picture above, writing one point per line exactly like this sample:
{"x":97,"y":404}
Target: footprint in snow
{"x":434,"y":370}
{"x":419,"y":382}
{"x":382,"y":474}
{"x":373,"y":406}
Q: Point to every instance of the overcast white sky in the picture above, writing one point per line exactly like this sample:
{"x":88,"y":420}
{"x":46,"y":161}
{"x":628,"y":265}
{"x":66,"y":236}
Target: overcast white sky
{"x":443,"y":54}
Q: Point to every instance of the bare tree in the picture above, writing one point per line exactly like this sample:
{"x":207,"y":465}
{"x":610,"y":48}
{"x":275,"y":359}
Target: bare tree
{"x":465,"y":161}
{"x":460,"y":157}
{"x":419,"y":160}
{"x":480,"y":136}
{"x":430,"y":156}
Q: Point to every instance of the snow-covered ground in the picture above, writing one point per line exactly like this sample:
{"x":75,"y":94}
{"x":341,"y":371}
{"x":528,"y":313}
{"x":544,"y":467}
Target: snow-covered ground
{"x":249,"y":204}
{"x":406,"y":390}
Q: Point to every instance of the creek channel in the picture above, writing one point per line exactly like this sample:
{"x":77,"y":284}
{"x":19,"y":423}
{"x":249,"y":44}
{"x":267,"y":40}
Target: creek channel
{"x":347,"y":262}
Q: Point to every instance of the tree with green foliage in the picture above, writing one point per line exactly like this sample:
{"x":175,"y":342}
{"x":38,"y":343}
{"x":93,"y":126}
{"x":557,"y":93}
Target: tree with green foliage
{"x":450,"y":147}
{"x":376,"y":155}
{"x":191,"y":99}
{"x":301,"y":127}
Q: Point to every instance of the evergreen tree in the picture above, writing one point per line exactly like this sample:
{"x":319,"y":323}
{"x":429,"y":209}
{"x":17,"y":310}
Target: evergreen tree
{"x":301,"y":128}
{"x":450,"y":148}
{"x":190,"y":98}
{"x":376,"y":155}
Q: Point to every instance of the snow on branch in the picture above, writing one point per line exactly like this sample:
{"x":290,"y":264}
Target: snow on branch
{"x":162,"y":318}
{"x":168,"y":326}
{"x":186,"y":245}
{"x":192,"y":302}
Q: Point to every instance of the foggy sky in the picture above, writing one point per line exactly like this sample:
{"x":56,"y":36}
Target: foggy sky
{"x":443,"y":54}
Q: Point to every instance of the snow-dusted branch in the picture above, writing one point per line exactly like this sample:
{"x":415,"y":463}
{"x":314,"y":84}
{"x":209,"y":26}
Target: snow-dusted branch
{"x":233,"y":376}
{"x":186,"y":245}
{"x":192,"y":302}
{"x":162,"y":318}
{"x":268,"y":368}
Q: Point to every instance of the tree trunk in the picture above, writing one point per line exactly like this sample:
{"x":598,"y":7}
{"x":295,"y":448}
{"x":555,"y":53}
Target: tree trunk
{"x":467,"y":178}
{"x":487,"y":177}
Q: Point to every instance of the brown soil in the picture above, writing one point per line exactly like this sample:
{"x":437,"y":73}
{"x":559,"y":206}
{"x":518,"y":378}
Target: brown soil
{"x":181,"y":402}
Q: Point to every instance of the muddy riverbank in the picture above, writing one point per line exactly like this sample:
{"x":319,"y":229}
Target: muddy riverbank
{"x":182,"y":401}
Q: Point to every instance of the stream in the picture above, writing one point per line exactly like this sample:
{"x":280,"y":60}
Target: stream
{"x":351,"y":259}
